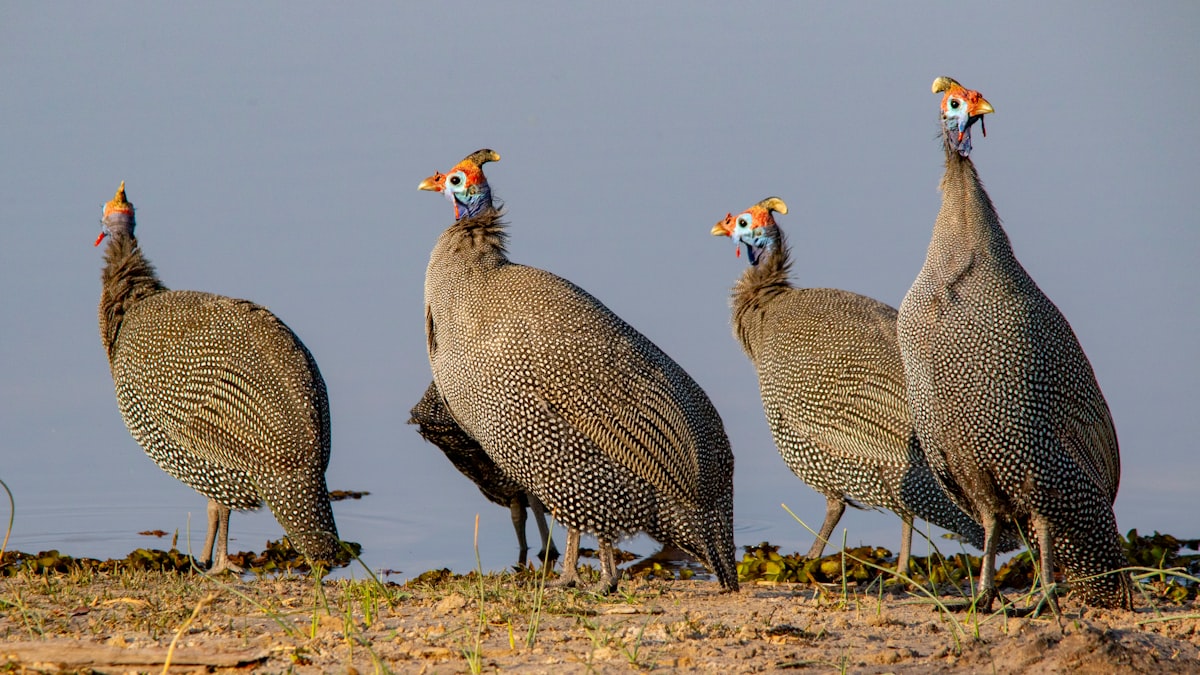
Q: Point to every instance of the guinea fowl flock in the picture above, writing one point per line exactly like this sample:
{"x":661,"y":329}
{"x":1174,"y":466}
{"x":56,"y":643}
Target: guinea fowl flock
{"x":973,"y":407}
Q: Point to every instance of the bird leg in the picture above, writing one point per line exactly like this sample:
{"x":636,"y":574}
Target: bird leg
{"x":516,"y":509}
{"x":609,"y":575}
{"x":549,"y":552}
{"x":987,"y":575}
{"x":834,"y":508}
{"x":1046,"y":557}
{"x":569,"y":577}
{"x":210,"y":534}
{"x":906,"y":533}
{"x":218,"y":532}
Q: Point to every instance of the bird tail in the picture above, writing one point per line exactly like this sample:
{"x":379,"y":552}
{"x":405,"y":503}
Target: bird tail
{"x":300,"y":502}
{"x":1093,"y":557}
{"x":721,"y":550}
{"x":703,"y":533}
{"x":711,"y":531}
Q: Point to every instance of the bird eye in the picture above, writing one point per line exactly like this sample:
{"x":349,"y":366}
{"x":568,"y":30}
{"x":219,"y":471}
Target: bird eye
{"x":456,"y":179}
{"x":954,"y":103}
{"x":743,"y":221}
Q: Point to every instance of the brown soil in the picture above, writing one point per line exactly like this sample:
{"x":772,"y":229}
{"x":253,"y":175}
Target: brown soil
{"x":126,"y":621}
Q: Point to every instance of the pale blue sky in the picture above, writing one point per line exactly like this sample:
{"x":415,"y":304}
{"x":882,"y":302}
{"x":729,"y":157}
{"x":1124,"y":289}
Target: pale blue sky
{"x":273,"y":152}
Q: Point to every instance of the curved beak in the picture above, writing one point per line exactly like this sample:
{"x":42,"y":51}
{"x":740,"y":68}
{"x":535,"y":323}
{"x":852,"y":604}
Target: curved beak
{"x":434,"y":183}
{"x":980,"y":106}
{"x":724,"y":228}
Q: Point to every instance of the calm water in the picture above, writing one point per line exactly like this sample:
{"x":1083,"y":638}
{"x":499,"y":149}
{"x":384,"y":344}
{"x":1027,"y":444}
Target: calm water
{"x":405,"y":532}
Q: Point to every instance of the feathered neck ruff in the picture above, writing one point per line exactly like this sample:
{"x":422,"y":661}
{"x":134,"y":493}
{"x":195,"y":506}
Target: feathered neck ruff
{"x":758,"y":286}
{"x":128,"y":278}
{"x":968,"y":219}
{"x":482,"y":234}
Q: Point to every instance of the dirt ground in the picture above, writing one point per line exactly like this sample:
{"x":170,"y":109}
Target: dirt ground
{"x":127,"y":621}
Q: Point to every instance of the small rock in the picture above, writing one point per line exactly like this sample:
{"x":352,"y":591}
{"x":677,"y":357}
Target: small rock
{"x":886,"y":657}
{"x":603,"y":654}
{"x":451,"y":603}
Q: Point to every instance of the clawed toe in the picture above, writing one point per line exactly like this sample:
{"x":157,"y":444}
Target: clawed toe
{"x":604,"y":587}
{"x":564,"y":581}
{"x":224,"y":564}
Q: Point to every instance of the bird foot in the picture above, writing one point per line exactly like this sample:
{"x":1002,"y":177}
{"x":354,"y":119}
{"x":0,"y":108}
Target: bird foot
{"x":1049,"y":600}
{"x":980,"y":603}
{"x":983,"y":603}
{"x":223,"y":564}
{"x":606,"y":585}
{"x":895,"y":586}
{"x":565,"y":580}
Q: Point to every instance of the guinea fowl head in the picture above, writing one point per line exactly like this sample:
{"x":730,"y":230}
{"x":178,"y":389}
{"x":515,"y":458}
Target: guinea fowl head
{"x":961,"y":107}
{"x":465,"y":185}
{"x":117,"y":216}
{"x":755,"y":228}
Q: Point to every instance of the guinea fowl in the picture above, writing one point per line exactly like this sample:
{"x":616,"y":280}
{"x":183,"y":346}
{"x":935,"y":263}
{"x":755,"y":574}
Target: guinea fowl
{"x":436,"y":425}
{"x":219,"y":393}
{"x":1004,"y":400}
{"x":569,"y":400}
{"x":832,"y":387}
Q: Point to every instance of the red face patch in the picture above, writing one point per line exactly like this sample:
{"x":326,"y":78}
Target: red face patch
{"x":471,"y":170}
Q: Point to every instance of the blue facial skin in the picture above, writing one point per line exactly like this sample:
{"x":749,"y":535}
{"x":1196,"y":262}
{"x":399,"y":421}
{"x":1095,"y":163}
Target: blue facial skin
{"x":958,"y":125}
{"x":471,"y":200}
{"x":755,"y":239}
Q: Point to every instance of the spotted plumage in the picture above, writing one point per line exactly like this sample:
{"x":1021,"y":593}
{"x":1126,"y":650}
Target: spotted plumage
{"x":1004,"y":400}
{"x":219,"y":392}
{"x":569,"y":400}
{"x":832,"y":387}
{"x":436,"y":425}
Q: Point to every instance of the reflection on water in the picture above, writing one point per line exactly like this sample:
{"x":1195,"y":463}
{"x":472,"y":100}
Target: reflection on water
{"x":419,"y":515}
{"x":673,"y":560}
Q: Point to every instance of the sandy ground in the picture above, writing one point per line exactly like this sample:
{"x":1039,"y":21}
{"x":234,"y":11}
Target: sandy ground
{"x":126,"y":622}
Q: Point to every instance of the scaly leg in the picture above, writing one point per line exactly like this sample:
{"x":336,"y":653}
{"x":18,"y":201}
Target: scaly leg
{"x":516,"y":509}
{"x":987,"y":576}
{"x":609,"y":575}
{"x":539,"y":518}
{"x":834,"y":508}
{"x":569,"y":577}
{"x":1046,"y":550}
{"x":906,"y":534}
{"x":218,"y":530}
{"x":210,"y":535}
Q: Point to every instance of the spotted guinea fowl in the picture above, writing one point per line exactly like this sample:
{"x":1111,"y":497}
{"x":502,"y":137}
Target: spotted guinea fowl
{"x":219,"y":393}
{"x":569,"y":400}
{"x":1004,"y":400}
{"x":832,"y":387}
{"x":436,"y":425}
